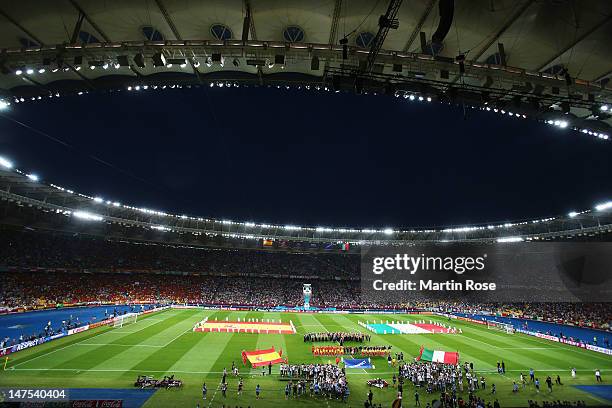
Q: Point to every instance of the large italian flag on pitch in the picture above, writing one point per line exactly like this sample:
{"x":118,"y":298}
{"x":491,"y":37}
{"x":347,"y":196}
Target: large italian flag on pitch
{"x":438,"y":356}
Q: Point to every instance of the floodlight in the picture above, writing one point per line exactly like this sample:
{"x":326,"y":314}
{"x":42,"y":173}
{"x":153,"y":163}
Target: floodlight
{"x":5,"y":163}
{"x":159,"y":60}
{"x":218,"y":58}
{"x":572,"y":214}
{"x":29,"y":71}
{"x":32,"y":177}
{"x":604,"y":206}
{"x":411,"y":97}
{"x":123,"y":60}
{"x":510,"y":239}
{"x":3,"y":105}
{"x":41,"y":70}
{"x":139,"y":60}
{"x":388,"y":231}
{"x":18,"y":72}
{"x":604,"y":107}
{"x":98,"y":199}
{"x":182,"y":62}
{"x":84,"y":215}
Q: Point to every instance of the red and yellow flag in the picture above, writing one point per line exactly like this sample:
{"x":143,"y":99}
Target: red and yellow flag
{"x":259,"y":358}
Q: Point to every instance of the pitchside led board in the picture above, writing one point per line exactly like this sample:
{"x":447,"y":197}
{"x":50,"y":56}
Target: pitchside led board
{"x":500,"y":272}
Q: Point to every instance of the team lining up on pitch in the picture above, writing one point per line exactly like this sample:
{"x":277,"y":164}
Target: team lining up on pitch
{"x":432,"y":371}
{"x":322,"y":380}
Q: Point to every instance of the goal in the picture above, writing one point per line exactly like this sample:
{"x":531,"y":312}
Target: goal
{"x":127,"y":318}
{"x":505,"y":327}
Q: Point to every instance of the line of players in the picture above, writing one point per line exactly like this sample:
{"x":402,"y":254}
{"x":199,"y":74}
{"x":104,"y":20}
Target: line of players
{"x":366,"y":351}
{"x":337,"y":337}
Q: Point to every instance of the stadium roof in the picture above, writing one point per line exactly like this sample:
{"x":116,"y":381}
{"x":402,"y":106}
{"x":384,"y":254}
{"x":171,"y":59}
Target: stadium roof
{"x":544,"y":59}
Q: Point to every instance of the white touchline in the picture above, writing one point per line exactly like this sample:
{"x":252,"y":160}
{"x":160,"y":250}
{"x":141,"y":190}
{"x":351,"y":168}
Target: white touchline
{"x":118,"y":345}
{"x":555,"y":345}
{"x":54,"y":351}
{"x":65,"y":347}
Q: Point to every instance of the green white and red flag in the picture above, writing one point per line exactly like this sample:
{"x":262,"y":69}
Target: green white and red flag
{"x":438,"y":356}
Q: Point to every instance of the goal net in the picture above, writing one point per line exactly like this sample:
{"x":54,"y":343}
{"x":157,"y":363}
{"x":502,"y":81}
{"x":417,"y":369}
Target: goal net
{"x":127,"y":318}
{"x":504,"y":327}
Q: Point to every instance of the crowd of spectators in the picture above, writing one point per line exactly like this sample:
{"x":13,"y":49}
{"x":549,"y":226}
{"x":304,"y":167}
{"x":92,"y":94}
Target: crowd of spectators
{"x":40,"y":269}
{"x":598,"y":315}
{"x":84,"y":253}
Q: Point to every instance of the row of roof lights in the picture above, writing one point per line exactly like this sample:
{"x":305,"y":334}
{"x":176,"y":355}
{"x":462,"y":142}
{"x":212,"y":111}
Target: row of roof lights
{"x":559,"y":123}
{"x":159,"y":60}
{"x":413,"y":97}
{"x":7,"y":164}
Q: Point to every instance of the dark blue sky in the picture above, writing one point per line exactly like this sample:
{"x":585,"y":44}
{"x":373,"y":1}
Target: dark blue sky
{"x":308,"y":158}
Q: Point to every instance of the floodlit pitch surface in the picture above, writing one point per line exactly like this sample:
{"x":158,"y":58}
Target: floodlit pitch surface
{"x":164,"y":343}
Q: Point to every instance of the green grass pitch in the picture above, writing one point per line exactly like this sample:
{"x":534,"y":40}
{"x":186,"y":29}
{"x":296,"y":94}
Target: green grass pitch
{"x":164,"y":343}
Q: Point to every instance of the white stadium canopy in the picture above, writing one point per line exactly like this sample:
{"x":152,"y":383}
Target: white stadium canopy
{"x":546,"y":59}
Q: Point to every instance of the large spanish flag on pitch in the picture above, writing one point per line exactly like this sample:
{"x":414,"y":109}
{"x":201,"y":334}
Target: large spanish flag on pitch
{"x":259,"y":358}
{"x":439,"y":356}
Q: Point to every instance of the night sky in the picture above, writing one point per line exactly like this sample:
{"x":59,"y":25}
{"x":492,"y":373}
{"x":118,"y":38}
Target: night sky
{"x":308,"y":158}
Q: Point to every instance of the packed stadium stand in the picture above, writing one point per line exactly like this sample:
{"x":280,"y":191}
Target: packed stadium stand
{"x":42,"y":269}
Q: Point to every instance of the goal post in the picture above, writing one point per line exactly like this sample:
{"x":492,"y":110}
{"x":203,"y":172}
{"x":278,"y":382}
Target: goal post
{"x":127,"y":318}
{"x":499,"y":326}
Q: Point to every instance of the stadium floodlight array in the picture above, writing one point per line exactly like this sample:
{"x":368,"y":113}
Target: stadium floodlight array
{"x":561,"y":121}
{"x":266,"y":231}
{"x":125,"y":319}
